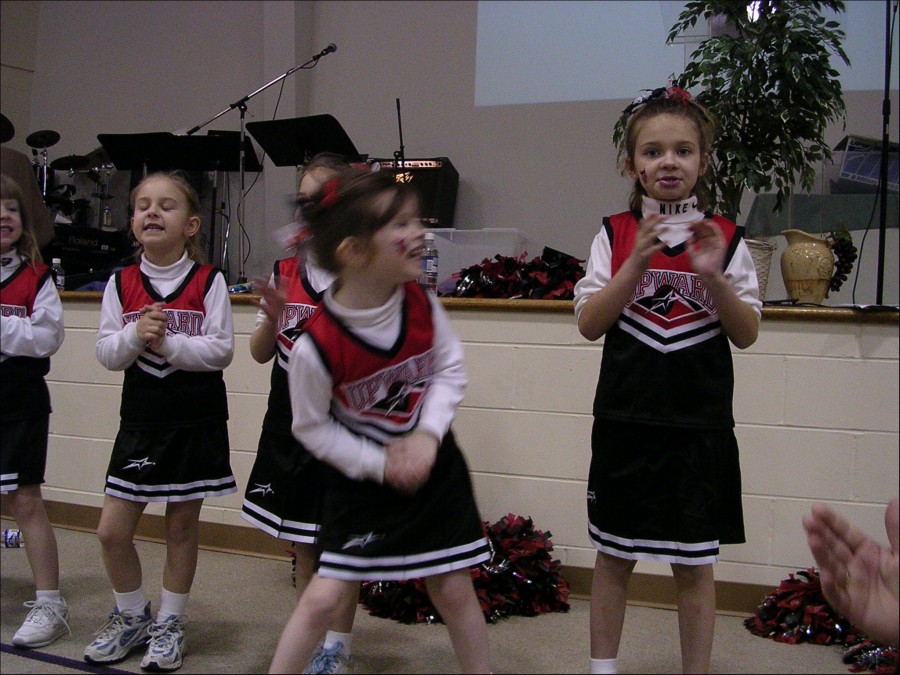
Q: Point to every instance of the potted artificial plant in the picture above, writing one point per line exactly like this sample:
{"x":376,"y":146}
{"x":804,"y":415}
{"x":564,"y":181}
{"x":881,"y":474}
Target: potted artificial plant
{"x":772,"y":89}
{"x":769,"y":82}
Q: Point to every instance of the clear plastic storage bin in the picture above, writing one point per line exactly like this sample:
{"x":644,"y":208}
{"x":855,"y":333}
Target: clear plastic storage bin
{"x":459,"y":249}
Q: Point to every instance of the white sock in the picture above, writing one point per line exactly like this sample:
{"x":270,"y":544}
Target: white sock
{"x":171,"y":604}
{"x":52,"y":596}
{"x":132,"y":603}
{"x":333,"y":636}
{"x":604,"y":665}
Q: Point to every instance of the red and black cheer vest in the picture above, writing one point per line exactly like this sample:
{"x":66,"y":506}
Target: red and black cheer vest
{"x":300,"y":304}
{"x":666,"y":360}
{"x":378,"y":393}
{"x":23,"y":392}
{"x":155,"y":391}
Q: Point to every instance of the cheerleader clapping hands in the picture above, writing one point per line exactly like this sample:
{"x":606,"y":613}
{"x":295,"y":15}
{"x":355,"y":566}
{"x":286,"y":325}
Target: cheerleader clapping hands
{"x":166,"y":322}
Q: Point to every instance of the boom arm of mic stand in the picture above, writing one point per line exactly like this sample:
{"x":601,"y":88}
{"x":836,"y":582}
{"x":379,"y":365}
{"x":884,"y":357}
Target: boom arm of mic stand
{"x":243,"y":101}
{"x":242,"y":105}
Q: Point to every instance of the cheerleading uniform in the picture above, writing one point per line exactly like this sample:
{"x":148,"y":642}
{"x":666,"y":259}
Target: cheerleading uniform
{"x":282,"y":494}
{"x":172,"y":443}
{"x":31,"y":331}
{"x":665,"y":475}
{"x":359,"y":380}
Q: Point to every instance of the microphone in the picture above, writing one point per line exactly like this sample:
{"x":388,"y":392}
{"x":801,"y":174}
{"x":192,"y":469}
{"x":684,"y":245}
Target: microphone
{"x":331,"y":48}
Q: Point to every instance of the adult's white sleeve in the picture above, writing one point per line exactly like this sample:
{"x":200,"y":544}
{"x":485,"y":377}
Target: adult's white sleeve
{"x":313,"y":425}
{"x":39,"y":335}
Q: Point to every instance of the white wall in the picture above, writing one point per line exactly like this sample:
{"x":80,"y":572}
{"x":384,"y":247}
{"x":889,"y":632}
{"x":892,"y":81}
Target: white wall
{"x":816,"y":406}
{"x":128,"y":67}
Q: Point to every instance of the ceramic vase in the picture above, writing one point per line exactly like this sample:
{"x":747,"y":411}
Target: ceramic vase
{"x":807,"y":265}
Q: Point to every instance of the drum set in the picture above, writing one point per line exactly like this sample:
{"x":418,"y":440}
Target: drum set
{"x":95,"y":166}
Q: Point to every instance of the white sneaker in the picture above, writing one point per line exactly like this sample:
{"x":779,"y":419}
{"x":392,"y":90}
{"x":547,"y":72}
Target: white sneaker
{"x":165,"y":651}
{"x":47,"y":620}
{"x":330,"y":660}
{"x":118,"y":636}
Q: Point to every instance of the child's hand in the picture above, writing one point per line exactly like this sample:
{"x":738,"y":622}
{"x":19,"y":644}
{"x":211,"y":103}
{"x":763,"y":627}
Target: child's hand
{"x":409,"y":461}
{"x":151,"y":327}
{"x":647,"y":244}
{"x":272,"y":300}
{"x":706,"y":248}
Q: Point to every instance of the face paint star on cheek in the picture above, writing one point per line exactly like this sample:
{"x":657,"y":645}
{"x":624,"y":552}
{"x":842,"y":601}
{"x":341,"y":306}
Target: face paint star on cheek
{"x":643,"y":175}
{"x":401,"y":245}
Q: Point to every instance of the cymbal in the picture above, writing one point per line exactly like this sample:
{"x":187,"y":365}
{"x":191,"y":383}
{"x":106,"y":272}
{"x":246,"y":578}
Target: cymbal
{"x":70,"y":162}
{"x":42,"y":139}
{"x":98,"y":156}
{"x":7,"y":130}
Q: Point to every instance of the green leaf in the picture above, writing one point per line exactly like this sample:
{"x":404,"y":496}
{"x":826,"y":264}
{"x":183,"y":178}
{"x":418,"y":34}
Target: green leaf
{"x":772,"y":90}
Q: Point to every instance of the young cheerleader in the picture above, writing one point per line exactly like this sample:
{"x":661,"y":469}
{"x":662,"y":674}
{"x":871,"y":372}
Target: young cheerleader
{"x":668,"y":286}
{"x":31,"y":327}
{"x":375,"y":380}
{"x":167,"y":323}
{"x":282,"y":494}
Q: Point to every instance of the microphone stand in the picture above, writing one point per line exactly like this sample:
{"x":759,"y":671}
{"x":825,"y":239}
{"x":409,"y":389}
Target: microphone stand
{"x":241,"y":104}
{"x":885,"y":134}
{"x":399,"y":157}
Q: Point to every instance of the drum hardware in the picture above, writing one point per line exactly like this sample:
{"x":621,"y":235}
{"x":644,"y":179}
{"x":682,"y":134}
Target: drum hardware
{"x":61,"y":194}
{"x":70,"y":163}
{"x":98,"y":157}
{"x":41,"y":140}
{"x":104,"y":211}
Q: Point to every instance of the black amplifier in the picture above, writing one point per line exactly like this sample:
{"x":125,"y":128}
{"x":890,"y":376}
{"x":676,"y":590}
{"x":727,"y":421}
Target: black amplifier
{"x":88,"y":252}
{"x":437,"y":181}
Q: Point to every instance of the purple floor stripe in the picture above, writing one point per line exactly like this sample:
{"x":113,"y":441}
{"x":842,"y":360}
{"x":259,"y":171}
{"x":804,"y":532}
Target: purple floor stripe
{"x":63,"y":661}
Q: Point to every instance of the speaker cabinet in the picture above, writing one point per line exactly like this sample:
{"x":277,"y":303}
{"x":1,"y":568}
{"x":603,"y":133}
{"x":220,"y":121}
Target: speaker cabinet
{"x":437,"y":182}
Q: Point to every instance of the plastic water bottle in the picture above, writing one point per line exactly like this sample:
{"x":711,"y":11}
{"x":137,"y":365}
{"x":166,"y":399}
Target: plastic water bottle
{"x":430,"y":264}
{"x":59,"y":274}
{"x":13,"y":539}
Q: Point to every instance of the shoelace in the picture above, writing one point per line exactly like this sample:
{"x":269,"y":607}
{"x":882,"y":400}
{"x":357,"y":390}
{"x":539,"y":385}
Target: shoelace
{"x":163,"y":635}
{"x":327,"y":660}
{"x":111,"y":627}
{"x":48,"y":609}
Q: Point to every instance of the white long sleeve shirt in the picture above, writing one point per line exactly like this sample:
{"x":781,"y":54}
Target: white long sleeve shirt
{"x":39,"y":335}
{"x":357,"y":456}
{"x":118,"y":344}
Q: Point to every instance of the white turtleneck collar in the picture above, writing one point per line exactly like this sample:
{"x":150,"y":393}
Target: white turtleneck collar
{"x":11,"y":258}
{"x":10,"y":262}
{"x":166,"y":279}
{"x":363,"y":318}
{"x":174,"y":271}
{"x":678,"y":216}
{"x":379,"y":326}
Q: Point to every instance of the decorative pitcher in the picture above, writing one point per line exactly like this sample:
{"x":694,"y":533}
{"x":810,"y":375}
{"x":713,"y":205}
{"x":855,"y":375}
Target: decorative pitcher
{"x":807,"y":265}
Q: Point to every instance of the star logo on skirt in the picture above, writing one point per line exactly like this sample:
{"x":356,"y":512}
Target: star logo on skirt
{"x":139,"y":464}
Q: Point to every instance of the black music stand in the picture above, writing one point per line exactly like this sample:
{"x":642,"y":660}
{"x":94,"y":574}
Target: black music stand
{"x":292,"y":142}
{"x":164,"y":151}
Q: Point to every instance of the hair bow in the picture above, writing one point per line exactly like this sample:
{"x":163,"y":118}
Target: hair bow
{"x":678,"y":94}
{"x":330,"y":193}
{"x":671,"y":92}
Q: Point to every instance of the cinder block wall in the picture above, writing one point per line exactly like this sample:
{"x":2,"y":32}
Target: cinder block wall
{"x":816,"y":407}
